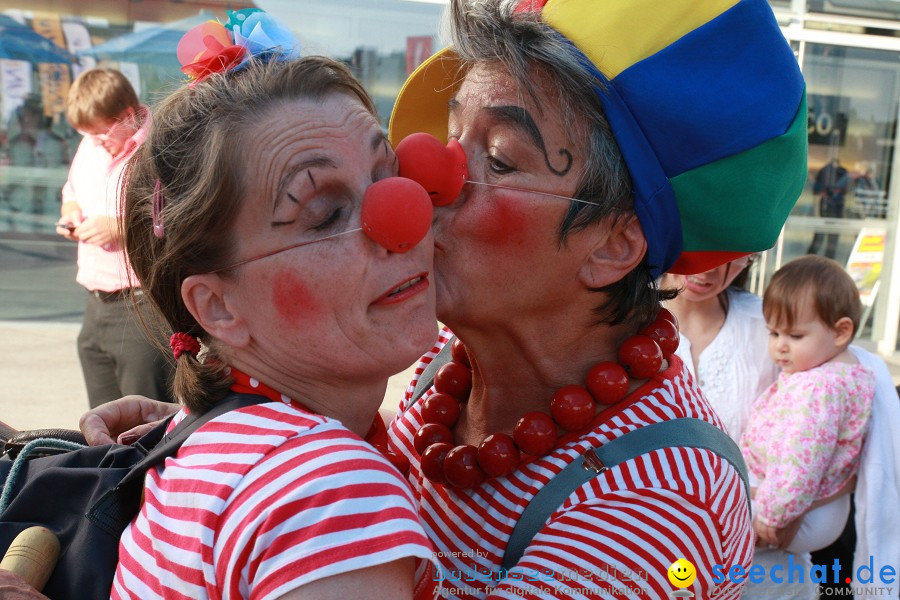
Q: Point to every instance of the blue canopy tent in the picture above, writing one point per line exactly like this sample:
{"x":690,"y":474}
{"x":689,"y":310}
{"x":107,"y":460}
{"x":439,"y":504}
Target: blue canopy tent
{"x":154,"y":45}
{"x":18,"y":42}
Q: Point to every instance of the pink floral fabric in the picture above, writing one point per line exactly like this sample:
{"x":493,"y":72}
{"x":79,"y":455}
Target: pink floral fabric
{"x":804,"y":437}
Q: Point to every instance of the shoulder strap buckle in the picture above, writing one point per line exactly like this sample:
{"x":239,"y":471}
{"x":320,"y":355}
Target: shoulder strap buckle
{"x":593,"y":463}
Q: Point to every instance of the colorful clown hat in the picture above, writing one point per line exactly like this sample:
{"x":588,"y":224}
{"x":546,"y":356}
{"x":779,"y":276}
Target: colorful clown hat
{"x":708,"y":106}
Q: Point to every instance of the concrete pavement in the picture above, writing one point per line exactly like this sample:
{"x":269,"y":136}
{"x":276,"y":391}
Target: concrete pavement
{"x":41,"y":376}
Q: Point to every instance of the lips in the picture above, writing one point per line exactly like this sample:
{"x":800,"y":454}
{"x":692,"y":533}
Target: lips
{"x":404,"y":290}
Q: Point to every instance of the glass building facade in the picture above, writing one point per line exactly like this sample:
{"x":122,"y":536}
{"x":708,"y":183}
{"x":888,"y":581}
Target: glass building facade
{"x":848,"y":50}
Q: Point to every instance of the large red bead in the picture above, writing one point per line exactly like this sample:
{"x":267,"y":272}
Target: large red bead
{"x":535,"y":433}
{"x":454,"y":379}
{"x":440,"y":408}
{"x":664,"y":333}
{"x":458,"y":353}
{"x":396,"y":213}
{"x":431,"y":433}
{"x":498,"y":455}
{"x":441,"y":170}
{"x":668,"y":315}
{"x":432,"y":462}
{"x":461,"y":468}
{"x":572,"y":407}
{"x":607,"y":382}
{"x":641,"y":356}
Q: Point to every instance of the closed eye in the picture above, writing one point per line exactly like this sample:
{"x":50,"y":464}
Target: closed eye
{"x":332,"y":218}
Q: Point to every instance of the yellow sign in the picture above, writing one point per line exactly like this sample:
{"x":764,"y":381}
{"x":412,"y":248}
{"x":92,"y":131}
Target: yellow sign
{"x":55,"y":78}
{"x":865,"y":262}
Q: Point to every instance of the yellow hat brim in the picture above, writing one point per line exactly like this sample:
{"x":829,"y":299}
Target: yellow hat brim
{"x":423,"y":99}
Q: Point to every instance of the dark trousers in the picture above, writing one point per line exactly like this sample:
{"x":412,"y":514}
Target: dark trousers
{"x":117,"y":358}
{"x":842,"y":549}
{"x":828,"y":207}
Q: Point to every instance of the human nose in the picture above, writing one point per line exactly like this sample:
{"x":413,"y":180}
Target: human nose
{"x":781,"y":344}
{"x":396,"y":213}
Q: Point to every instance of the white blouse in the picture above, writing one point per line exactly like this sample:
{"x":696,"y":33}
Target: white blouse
{"x":735,"y":368}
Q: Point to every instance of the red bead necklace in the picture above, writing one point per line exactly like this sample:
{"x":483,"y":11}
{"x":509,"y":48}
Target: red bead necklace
{"x":572,"y":408}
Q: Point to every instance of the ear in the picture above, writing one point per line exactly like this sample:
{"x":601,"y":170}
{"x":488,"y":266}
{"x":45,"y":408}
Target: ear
{"x":616,"y":252}
{"x":844,"y":331}
{"x":205,"y":297}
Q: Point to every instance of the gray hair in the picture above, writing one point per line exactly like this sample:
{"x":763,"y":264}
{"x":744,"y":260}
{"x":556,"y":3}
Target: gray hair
{"x":492,"y":31}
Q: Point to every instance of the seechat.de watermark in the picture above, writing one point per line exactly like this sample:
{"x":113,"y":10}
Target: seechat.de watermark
{"x":869,"y":578}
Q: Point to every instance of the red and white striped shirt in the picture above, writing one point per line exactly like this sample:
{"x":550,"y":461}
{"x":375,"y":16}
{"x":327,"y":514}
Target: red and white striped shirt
{"x":617,"y":535}
{"x":260,"y":501}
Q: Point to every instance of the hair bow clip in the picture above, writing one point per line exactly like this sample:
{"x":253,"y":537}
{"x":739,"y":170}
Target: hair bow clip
{"x":215,"y":48}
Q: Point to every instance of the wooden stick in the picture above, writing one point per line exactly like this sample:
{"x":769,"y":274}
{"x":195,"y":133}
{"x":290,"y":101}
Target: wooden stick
{"x":32,"y":556}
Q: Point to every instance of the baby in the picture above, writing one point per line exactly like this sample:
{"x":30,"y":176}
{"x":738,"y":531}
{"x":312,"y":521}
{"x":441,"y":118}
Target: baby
{"x":804,"y":437}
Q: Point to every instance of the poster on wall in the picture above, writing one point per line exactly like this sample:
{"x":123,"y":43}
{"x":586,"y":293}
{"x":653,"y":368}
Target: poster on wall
{"x":55,"y":78}
{"x":15,"y":86}
{"x":78,"y":39}
{"x":865,"y":262}
{"x":827,"y":119}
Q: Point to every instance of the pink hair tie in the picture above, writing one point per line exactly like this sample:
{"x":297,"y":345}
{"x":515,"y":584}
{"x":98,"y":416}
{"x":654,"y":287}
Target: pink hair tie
{"x":181,"y":342}
{"x":158,"y":229}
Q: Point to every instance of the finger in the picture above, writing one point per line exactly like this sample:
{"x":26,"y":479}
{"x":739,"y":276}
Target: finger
{"x":95,"y":431}
{"x":135,"y":433}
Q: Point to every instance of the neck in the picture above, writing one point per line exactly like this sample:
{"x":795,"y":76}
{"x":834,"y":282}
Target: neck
{"x":699,"y":321}
{"x":352,"y":401}
{"x":517,"y":368}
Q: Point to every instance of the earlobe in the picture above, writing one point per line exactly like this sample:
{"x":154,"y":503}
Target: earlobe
{"x":206,"y":299}
{"x":844,"y":331}
{"x":616,"y":253}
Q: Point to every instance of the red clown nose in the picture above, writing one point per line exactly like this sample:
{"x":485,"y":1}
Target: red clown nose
{"x":441,"y":170}
{"x":396,"y":213}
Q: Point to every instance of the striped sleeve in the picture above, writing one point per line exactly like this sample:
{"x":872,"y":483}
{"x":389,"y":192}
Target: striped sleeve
{"x":261,"y":501}
{"x":322,"y":498}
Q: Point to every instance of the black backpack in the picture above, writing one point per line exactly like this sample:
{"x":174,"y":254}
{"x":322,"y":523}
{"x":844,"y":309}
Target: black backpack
{"x":87,"y":497}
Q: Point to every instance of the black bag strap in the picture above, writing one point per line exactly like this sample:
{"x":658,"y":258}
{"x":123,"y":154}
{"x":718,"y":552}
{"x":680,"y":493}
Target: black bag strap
{"x":426,"y":379}
{"x":172,"y":441}
{"x":683,"y":432}
{"x":114,"y":510}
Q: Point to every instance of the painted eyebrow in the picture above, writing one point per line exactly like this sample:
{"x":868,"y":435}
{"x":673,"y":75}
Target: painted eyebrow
{"x":519,"y":118}
{"x":516,"y":116}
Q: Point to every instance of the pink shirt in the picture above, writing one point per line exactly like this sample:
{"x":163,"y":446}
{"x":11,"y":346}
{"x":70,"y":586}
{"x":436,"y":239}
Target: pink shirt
{"x":93,"y":183}
{"x":804,"y":437}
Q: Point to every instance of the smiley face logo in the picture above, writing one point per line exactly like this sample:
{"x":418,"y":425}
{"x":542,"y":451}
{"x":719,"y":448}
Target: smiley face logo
{"x":682,"y":573}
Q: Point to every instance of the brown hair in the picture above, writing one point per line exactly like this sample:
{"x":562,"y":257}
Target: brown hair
{"x":99,"y":95}
{"x":193,"y":150}
{"x":812,"y":278}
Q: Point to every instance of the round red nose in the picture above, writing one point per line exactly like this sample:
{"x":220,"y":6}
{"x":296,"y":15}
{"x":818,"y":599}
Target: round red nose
{"x":441,"y":170}
{"x":396,"y":213}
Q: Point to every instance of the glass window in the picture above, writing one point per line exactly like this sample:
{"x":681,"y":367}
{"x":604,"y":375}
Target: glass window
{"x":382,"y":41}
{"x":878,"y":9}
{"x":853,"y":95}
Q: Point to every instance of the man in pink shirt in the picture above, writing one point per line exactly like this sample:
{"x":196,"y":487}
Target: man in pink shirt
{"x":116,"y":356}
